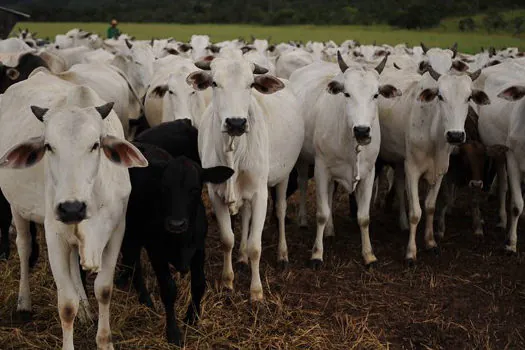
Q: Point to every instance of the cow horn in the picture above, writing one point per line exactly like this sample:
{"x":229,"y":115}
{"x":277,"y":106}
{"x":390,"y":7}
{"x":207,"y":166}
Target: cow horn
{"x":104,"y":110}
{"x":454,"y":49}
{"x":424,"y":48}
{"x":128,"y":43}
{"x":475,"y":75}
{"x":492,"y":51}
{"x":204,"y":65}
{"x":258,"y":69}
{"x":342,"y":63}
{"x":382,"y":64}
{"x":435,"y":75}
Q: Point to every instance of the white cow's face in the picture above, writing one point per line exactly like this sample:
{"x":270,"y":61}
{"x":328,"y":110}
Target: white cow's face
{"x":232,"y":81}
{"x":452,"y":94}
{"x":442,"y":61}
{"x":260,"y":45}
{"x":74,"y":141}
{"x":361,"y":90}
{"x":181,"y":96}
{"x":199,"y":45}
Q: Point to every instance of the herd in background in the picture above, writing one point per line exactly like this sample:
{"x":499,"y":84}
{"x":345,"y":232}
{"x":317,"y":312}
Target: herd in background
{"x":241,"y":117}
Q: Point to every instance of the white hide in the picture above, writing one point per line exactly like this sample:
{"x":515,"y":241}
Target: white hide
{"x":290,"y":61}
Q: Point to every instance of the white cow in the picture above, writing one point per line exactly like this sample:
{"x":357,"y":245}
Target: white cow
{"x":259,"y":136}
{"x":169,"y":97}
{"x":290,"y":61}
{"x":11,"y":45}
{"x":199,"y":46}
{"x":502,"y":123}
{"x":77,"y":192}
{"x":419,"y":131}
{"x":342,"y":138}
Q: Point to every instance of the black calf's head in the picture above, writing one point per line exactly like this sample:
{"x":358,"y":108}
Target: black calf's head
{"x":26,"y":64}
{"x":181,"y":185}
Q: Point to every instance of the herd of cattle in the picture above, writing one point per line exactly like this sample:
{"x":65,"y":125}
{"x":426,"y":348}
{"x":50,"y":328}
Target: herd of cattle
{"x":241,"y":117}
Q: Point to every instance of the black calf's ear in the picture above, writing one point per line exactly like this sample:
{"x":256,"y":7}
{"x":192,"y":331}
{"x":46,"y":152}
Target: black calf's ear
{"x":216,"y":175}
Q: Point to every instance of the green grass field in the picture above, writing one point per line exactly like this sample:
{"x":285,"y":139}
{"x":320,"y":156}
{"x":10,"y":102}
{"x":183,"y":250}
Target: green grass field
{"x":443,"y":36}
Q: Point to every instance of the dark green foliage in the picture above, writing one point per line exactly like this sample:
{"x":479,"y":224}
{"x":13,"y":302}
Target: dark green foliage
{"x":400,"y":13}
{"x":466,"y":24}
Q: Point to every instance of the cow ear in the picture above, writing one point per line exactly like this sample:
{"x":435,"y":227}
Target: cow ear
{"x":199,"y":80}
{"x":266,"y":84}
{"x":25,"y":154}
{"x":122,"y":152}
{"x":428,"y":95}
{"x":479,"y":97}
{"x":39,"y":112}
{"x":497,"y":151}
{"x":12,"y":73}
{"x":460,"y":66}
{"x":389,"y":91}
{"x":104,"y":110}
{"x":216,"y":175}
{"x":513,"y":93}
{"x":335,"y":87}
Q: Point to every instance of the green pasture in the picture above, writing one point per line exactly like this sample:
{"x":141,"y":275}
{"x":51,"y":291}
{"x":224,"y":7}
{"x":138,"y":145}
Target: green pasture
{"x":443,"y":36}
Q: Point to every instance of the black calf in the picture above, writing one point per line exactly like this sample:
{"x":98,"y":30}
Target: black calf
{"x":167,"y":217}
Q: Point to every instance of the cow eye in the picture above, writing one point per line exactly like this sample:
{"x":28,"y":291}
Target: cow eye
{"x":440,"y":97}
{"x":347,"y":94}
{"x":469,"y":98}
{"x":376,"y":95}
{"x":214,"y":84}
{"x":95,"y":147}
{"x":48,"y":147}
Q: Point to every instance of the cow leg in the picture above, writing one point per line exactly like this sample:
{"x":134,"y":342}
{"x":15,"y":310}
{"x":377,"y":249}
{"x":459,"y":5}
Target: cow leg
{"x":227,"y":238}
{"x":104,"y":287}
{"x":35,"y":248}
{"x":59,"y":253}
{"x":246,"y":216}
{"x":477,"y":220}
{"x":198,"y":286}
{"x":363,"y":193}
{"x":23,"y":245}
{"x":329,"y":229}
{"x":130,"y":251}
{"x":280,"y":204}
{"x":140,"y":286}
{"x":502,"y":195}
{"x":412,"y":181}
{"x":259,"y":204}
{"x":445,"y":200}
{"x":430,"y":209}
{"x":322,"y":183}
{"x":6,"y":217}
{"x":84,"y":311}
{"x":514,"y":176}
{"x":168,"y":295}
{"x":302,"y":169}
{"x":400,"y":193}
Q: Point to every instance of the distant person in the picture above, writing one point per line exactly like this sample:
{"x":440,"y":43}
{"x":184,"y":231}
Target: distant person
{"x":113,"y":31}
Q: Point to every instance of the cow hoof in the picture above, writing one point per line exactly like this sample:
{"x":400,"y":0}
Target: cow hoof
{"x":371,"y":265}
{"x":315,"y":264}
{"x":410,"y":262}
{"x":146,"y":301}
{"x":256,"y":296}
{"x":435,"y":250}
{"x":510,"y":252}
{"x":4,"y":255}
{"x":173,"y":336}
{"x":35,"y":254}
{"x":191,"y":316}
{"x":283,"y":265}
{"x":23,"y":316}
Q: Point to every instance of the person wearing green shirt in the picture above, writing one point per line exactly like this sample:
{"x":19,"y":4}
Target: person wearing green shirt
{"x":113,"y":31}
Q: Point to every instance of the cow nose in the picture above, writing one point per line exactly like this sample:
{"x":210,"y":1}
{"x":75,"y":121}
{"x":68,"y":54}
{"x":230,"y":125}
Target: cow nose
{"x":236,"y":126}
{"x":176,"y":226}
{"x":475,"y":184}
{"x":71,"y":212}
{"x":456,"y":137}
{"x":362,"y":134}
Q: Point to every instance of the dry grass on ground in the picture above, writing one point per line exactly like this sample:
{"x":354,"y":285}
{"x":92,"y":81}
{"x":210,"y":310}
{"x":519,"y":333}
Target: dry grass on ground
{"x":470,"y":297}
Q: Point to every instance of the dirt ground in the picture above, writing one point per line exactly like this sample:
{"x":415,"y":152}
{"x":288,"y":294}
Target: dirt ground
{"x":472,"y":296}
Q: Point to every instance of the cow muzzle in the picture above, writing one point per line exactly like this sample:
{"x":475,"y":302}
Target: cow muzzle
{"x":456,"y":137}
{"x":71,"y":212}
{"x":476,"y":184}
{"x":236,"y":126}
{"x":176,"y":226}
{"x":362,"y":134}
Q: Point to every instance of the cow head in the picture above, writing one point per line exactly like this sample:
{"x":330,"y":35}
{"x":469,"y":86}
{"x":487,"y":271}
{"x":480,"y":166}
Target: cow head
{"x":200,"y":45}
{"x":442,"y":61}
{"x":361,"y":90}
{"x":232,"y":80}
{"x":75,"y":141}
{"x":26,"y":64}
{"x":182,"y":182}
{"x":452,"y":95}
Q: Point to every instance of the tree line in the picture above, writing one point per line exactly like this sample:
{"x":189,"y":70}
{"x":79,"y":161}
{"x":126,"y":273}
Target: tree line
{"x":401,"y":13}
